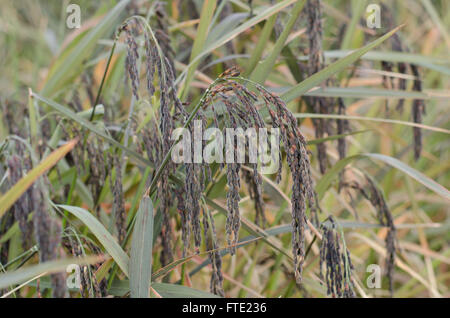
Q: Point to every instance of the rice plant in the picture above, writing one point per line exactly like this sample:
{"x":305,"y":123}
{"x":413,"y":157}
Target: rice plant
{"x":293,"y":148}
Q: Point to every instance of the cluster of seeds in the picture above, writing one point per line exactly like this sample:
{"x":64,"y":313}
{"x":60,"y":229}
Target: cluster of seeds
{"x":153,"y":146}
{"x":322,"y":105}
{"x":418,"y":107}
{"x":299,"y":164}
{"x":193,"y":189}
{"x":119,"y":201}
{"x":47,"y":231}
{"x":242,"y":112}
{"x":418,"y":111}
{"x":316,"y":63}
{"x":152,"y":142}
{"x":155,"y":143}
{"x":185,"y":222}
{"x":233,"y":219}
{"x":343,"y":127}
{"x":132,"y":58}
{"x":162,"y":33}
{"x":214,"y":256}
{"x":24,"y":206}
{"x":255,"y":194}
{"x":336,"y":260}
{"x":385,"y":218}
{"x":97,"y":166}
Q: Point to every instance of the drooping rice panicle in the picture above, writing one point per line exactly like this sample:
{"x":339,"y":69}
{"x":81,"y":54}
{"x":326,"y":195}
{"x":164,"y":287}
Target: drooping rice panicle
{"x":336,"y":260}
{"x":316,"y":63}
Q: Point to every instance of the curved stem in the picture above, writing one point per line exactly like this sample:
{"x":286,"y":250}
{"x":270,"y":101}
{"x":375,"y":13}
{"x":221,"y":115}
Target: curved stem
{"x":103,"y":79}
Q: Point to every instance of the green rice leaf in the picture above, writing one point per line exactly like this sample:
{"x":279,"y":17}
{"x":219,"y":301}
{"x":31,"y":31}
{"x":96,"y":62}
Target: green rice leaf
{"x":104,"y":237}
{"x":333,"y":68}
{"x":23,"y":274}
{"x":326,"y":180}
{"x":141,"y":250}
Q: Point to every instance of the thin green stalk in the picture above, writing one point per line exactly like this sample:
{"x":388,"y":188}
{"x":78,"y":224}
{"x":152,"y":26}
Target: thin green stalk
{"x":262,"y":42}
{"x":200,"y":39}
{"x":97,"y":99}
{"x":263,"y":69}
{"x":26,"y":253}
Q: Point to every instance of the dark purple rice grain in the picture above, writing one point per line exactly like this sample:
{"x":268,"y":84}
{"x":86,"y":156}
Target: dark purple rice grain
{"x":336,"y":262}
{"x":298,"y":161}
{"x":118,"y":201}
{"x":48,"y":236}
{"x":151,"y":53}
{"x":96,"y":167}
{"x":316,"y":63}
{"x":132,"y":59}
{"x":216,"y":284}
{"x":23,"y":207}
{"x":193,"y":189}
{"x":417,"y":112}
{"x":254,"y":189}
{"x":418,"y":108}
{"x":342,"y":128}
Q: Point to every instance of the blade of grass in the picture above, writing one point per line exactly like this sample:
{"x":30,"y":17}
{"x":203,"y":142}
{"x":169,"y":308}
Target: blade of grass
{"x":179,"y":291}
{"x":433,"y":63}
{"x":168,"y":268}
{"x":199,"y":42}
{"x":104,"y":237}
{"x":21,"y":275}
{"x":263,"y":69}
{"x":358,"y":7}
{"x":141,"y":251}
{"x":416,"y":175}
{"x":435,"y":17}
{"x":382,"y":120}
{"x":333,"y":68}
{"x":73,"y":61}
{"x":120,"y":288}
{"x":326,"y":180}
{"x":335,"y":137}
{"x":364,"y":92}
{"x":88,"y":125}
{"x":234,"y":33}
{"x":262,"y":42}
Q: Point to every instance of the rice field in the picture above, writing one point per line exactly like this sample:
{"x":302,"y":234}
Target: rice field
{"x":224,"y":148}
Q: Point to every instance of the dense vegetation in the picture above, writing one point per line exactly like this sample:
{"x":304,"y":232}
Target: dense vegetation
{"x":88,"y":184}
